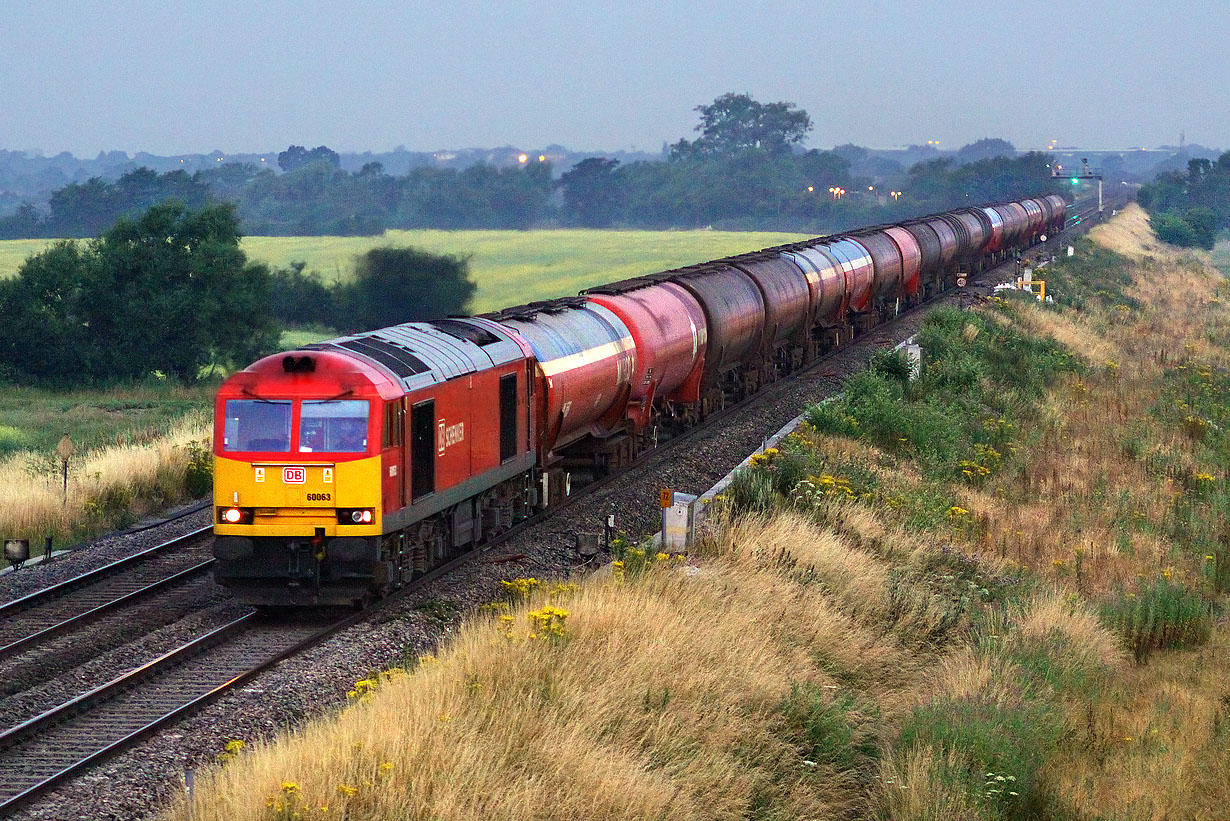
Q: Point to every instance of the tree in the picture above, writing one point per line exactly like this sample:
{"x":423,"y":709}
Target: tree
{"x":985,"y":149}
{"x":44,"y":337}
{"x":297,"y":156}
{"x":591,"y":192}
{"x":395,"y":285}
{"x":735,"y":122}
{"x":169,"y":292}
{"x":1197,"y":169}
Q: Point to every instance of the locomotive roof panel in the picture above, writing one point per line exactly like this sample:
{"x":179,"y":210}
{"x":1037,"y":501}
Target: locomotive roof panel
{"x":419,"y":354}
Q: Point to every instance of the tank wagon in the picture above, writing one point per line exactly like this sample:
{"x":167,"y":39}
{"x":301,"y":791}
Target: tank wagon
{"x":348,"y":467}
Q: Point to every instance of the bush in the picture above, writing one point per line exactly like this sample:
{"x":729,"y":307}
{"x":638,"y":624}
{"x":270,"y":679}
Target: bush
{"x":1159,"y":615}
{"x":1002,"y":743}
{"x":199,"y":475}
{"x":395,"y":285}
{"x":835,"y":729}
{"x":1173,"y":229}
{"x":300,"y":299}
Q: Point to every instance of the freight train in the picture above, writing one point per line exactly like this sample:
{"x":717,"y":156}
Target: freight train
{"x":346,"y":468}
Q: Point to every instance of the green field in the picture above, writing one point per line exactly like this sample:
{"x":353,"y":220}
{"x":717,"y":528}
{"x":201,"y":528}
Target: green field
{"x":510,"y":267}
{"x":35,"y":418}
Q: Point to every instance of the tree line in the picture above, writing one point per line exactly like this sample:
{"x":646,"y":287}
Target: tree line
{"x":170,"y":293}
{"x":745,"y":170}
{"x":1189,"y":208}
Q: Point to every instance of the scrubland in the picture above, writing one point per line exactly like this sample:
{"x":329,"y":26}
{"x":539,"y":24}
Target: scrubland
{"x":992,"y":592}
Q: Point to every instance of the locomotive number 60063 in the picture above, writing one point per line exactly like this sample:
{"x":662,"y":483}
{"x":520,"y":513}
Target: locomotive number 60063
{"x":319,"y":497}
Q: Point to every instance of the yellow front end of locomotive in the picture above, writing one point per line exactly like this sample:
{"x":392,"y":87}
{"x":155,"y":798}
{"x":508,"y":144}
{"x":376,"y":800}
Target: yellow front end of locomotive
{"x":297,"y":499}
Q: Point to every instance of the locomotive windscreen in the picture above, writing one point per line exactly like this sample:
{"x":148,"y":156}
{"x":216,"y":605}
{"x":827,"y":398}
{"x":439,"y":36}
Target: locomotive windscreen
{"x":257,"y":425}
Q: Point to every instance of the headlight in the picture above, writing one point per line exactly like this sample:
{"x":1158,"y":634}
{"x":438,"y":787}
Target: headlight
{"x":359,"y":516}
{"x":234,"y":515}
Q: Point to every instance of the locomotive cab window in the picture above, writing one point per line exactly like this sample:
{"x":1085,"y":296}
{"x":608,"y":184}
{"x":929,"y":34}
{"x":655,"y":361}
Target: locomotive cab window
{"x":257,"y":425}
{"x":333,"y":426}
{"x":394,"y":421}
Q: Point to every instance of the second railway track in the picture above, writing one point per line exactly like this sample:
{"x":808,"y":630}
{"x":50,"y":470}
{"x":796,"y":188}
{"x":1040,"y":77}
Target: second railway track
{"x":53,"y":611}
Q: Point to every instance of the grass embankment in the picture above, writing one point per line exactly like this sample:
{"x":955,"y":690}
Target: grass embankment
{"x":134,"y":448}
{"x":993,"y":592}
{"x":510,"y":267}
{"x":1221,"y":256}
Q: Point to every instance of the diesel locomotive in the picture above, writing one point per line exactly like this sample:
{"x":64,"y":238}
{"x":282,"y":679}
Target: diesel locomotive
{"x":347,"y":467}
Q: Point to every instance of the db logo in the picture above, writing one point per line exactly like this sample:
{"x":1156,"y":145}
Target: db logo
{"x":294,"y":476}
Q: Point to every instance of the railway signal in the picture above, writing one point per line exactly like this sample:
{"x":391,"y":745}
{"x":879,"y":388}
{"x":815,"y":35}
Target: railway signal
{"x":1086,"y":173}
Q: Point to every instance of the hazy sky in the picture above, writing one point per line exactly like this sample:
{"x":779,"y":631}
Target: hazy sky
{"x":176,"y":77}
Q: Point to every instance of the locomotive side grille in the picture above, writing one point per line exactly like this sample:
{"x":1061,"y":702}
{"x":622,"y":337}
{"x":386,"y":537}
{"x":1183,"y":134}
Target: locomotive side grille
{"x":400,"y":361}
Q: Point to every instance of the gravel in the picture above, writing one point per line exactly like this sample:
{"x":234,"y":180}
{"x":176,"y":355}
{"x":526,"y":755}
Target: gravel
{"x":137,"y":783}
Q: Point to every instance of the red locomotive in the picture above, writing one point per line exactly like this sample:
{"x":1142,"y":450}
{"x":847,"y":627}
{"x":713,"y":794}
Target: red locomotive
{"x":347,"y":467}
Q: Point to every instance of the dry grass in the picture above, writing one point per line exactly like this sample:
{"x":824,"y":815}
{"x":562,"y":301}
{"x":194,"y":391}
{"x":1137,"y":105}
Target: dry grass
{"x":102,"y":483}
{"x":663,"y":700}
{"x":916,"y":787}
{"x":1087,"y":642}
{"x":1130,"y":234}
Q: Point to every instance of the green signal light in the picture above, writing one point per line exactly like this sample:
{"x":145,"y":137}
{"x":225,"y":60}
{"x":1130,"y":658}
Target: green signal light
{"x":1074,"y":180}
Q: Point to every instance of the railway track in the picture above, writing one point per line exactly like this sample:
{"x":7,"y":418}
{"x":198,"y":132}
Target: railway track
{"x":41,"y":752}
{"x":33,"y":619}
